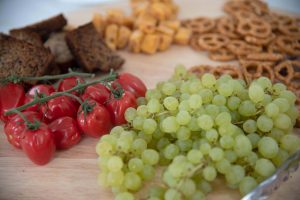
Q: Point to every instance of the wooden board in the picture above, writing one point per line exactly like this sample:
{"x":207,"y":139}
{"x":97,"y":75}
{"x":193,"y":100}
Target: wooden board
{"x":72,"y":174}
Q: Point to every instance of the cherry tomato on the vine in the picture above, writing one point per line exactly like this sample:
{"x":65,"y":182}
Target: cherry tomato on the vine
{"x":69,"y":83}
{"x":118,"y":106}
{"x":65,"y":131}
{"x":132,"y":84}
{"x":14,"y":128}
{"x":38,"y":144}
{"x":11,"y":96}
{"x":97,"y":92}
{"x":58,"y":107}
{"x":96,"y":122}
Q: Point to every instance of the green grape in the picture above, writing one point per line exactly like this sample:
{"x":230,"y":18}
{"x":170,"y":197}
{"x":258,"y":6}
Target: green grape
{"x":187,"y":187}
{"x":153,"y":106}
{"x":206,"y":95}
{"x":209,"y":173}
{"x":208,"y":80}
{"x":254,"y":138}
{"x":264,"y":167}
{"x":116,"y":131}
{"x":247,"y":184}
{"x":205,"y":148}
{"x":115,"y":163}
{"x":171,"y":103}
{"x":158,"y":134}
{"x":184,"y":96}
{"x":193,"y":125}
{"x":227,"y":129}
{"x":219,"y":100}
{"x":135,"y":165}
{"x":183,"y":117}
{"x":204,"y":186}
{"x":104,"y":148}
{"x":276,"y":134}
{"x":172,"y":194}
{"x":170,"y":125}
{"x":141,"y":101}
{"x":237,"y":85}
{"x":168,"y":88}
{"x":256,"y":93}
{"x":150,"y":156}
{"x":212,"y":110}
{"x":180,"y":71}
{"x":184,"y":88}
{"x":264,"y":83}
{"x":139,"y":145}
{"x":212,"y":135}
{"x":267,"y":99}
{"x":124,"y":144}
{"x":125,"y":196}
{"x":249,"y":126}
{"x":138,"y":123}
{"x":230,"y":156}
{"x":288,"y":95}
{"x":242,"y":146}
{"x":132,"y":181}
{"x":157,"y":191}
{"x":216,"y":154}
{"x":223,"y":166}
{"x":233,"y":102}
{"x":146,"y":137}
{"x":115,"y":178}
{"x":268,"y":147}
{"x":282,"y":121}
{"x":177,"y":169}
{"x":194,"y":156}
{"x":184,"y":145}
{"x":162,"y":143}
{"x":282,"y":103}
{"x":171,"y":151}
{"x":281,"y":156}
{"x":247,"y":108}
{"x":149,"y":126}
{"x":198,"y":195}
{"x":130,"y":114}
{"x":183,"y":133}
{"x":195,"y":101}
{"x":142,"y":111}
{"x":264,"y":123}
{"x":225,"y":89}
{"x":184,"y":105}
{"x":278,"y":88}
{"x":194,"y":86}
{"x":223,"y":118}
{"x":293,"y":113}
{"x":235,"y":175}
{"x":290,"y":143}
{"x":148,"y":172}
{"x":272,"y":110}
{"x":227,"y":142}
{"x":205,"y":122}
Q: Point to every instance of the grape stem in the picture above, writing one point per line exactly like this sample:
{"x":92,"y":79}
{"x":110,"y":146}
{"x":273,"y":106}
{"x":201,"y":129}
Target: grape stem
{"x":39,"y":100}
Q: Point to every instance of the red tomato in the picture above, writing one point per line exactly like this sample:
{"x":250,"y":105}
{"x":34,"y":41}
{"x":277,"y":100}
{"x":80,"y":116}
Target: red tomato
{"x":15,"y":127}
{"x":11,"y":96}
{"x":65,"y":131}
{"x":132,"y":84}
{"x":38,"y":144}
{"x":117,"y":107}
{"x":97,"y":92}
{"x":96,"y":122}
{"x":69,"y":83}
{"x":58,"y":107}
{"x":41,"y":89}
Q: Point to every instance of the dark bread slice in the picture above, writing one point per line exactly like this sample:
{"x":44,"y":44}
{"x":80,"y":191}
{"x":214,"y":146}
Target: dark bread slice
{"x":28,"y":36}
{"x":59,"y":48}
{"x":20,"y":58}
{"x":46,"y":27}
{"x":90,"y":51}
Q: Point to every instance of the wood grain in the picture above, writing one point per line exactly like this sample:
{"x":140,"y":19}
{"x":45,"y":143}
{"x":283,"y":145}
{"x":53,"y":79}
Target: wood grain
{"x":71,"y":175}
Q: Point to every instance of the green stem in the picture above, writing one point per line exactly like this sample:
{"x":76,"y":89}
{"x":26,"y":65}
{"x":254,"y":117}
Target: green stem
{"x":74,"y":97}
{"x":111,"y":77}
{"x":29,"y":125}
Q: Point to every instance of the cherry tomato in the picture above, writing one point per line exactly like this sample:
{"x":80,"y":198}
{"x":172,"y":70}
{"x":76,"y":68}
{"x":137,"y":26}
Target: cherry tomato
{"x":38,"y":144}
{"x":97,"y":122}
{"x":117,"y":107}
{"x":97,"y":92}
{"x":15,"y":127}
{"x":69,"y":83}
{"x":132,"y":84}
{"x":11,"y":96}
{"x":65,"y":131}
{"x":58,"y":107}
{"x":41,"y":89}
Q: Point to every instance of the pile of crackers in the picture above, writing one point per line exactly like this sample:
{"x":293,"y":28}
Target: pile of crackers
{"x":263,"y":42}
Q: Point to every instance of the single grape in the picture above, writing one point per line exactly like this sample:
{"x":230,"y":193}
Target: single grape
{"x":264,"y":167}
{"x":132,"y":181}
{"x":139,"y":145}
{"x":272,"y":110}
{"x":233,"y":102}
{"x":135,"y":165}
{"x":264,"y":123}
{"x":130,"y":114}
{"x":281,"y":156}
{"x":242,"y":145}
{"x":170,"y":125}
{"x":249,"y":126}
{"x":168,"y":88}
{"x":208,"y":80}
{"x":219,"y":100}
{"x":282,"y":121}
{"x":247,"y":184}
{"x":247,"y":108}
{"x":205,"y":122}
{"x":149,"y":126}
{"x":206,"y":95}
{"x":115,"y":178}
{"x":124,"y":196}
{"x":216,"y":154}
{"x":225,"y":89}
{"x":171,"y":103}
{"x":235,"y":175}
{"x":153,"y":106}
{"x":115,"y":163}
{"x":183,"y":117}
{"x":254,"y":138}
{"x":183,"y":133}
{"x":171,"y":151}
{"x":256,"y":93}
{"x":195,"y":101}
{"x":264,"y":83}
{"x":223,"y":118}
{"x":227,"y":142}
{"x":148,"y":172}
{"x":150,"y":156}
{"x":282,"y":103}
{"x":212,"y":135}
{"x":172,"y":194}
{"x":268,"y":147}
{"x":187,"y":187}
{"x":209,"y":173}
{"x":194,"y":156}
{"x":290,"y":143}
{"x":223,"y":166}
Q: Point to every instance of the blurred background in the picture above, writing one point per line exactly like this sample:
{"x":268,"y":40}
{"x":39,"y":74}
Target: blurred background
{"x":16,"y":13}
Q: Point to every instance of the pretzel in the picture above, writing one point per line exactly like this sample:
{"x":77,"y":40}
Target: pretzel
{"x":239,"y":47}
{"x":284,"y":71}
{"x":194,"y":43}
{"x":292,"y":29}
{"x":226,"y":26}
{"x":273,"y":57}
{"x":212,"y":41}
{"x":200,"y":69}
{"x":295,"y":82}
{"x":289,"y":45}
{"x":232,"y":6}
{"x":258,"y":7}
{"x":259,"y":41}
{"x":231,"y":70}
{"x":253,"y":70}
{"x":255,"y":27}
{"x":200,"y":24}
{"x":274,"y":48}
{"x":243,"y":15}
{"x":221,"y":54}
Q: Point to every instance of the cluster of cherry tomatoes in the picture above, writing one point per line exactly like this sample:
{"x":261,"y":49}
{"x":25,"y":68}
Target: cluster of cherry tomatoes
{"x":62,"y":121}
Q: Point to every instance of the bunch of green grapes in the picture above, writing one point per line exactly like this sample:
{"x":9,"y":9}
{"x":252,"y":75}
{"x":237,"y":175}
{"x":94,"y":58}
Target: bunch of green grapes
{"x":195,"y":129}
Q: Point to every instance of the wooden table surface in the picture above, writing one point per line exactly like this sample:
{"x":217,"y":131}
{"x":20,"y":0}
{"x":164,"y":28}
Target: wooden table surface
{"x":71,"y":175}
